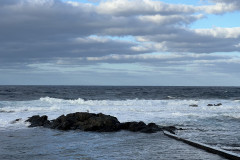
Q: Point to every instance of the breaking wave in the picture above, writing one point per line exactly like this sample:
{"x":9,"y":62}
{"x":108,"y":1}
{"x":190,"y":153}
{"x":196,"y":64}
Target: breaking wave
{"x":171,"y":111}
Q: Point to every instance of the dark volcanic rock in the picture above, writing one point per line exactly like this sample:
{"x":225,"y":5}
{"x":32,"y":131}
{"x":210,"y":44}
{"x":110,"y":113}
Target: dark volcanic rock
{"x":101,"y":123}
{"x":91,"y":122}
{"x":16,"y":120}
{"x":219,"y":104}
{"x":170,"y":129}
{"x":193,"y":105}
{"x":152,"y":128}
{"x":139,"y":127}
{"x":87,"y":122}
{"x":133,"y":126}
{"x":39,"y":121}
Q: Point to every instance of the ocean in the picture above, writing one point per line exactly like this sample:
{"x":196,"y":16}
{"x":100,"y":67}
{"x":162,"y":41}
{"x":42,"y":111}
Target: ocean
{"x":184,"y":107}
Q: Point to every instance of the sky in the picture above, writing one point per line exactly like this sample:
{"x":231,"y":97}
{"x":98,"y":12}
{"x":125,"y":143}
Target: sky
{"x":120,"y":42}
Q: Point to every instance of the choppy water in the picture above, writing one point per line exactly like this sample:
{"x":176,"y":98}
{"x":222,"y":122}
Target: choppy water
{"x":214,"y":125}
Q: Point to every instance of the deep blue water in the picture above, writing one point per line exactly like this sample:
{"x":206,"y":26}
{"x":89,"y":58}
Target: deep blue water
{"x":117,"y":93}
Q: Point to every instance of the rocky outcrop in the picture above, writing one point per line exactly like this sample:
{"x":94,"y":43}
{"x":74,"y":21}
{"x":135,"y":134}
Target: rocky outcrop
{"x":219,"y":104}
{"x":140,"y":127}
{"x":39,"y":121}
{"x":170,"y":129}
{"x":94,"y":122}
{"x":193,"y":105}
{"x":16,"y":120}
{"x":86,"y":122}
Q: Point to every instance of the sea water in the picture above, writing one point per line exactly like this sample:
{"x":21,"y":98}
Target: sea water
{"x":217,"y":126}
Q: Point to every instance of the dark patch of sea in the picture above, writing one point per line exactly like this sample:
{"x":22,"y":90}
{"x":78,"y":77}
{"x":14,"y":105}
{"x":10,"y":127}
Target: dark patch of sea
{"x":40,"y":143}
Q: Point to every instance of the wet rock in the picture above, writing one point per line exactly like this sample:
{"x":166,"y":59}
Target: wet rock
{"x":132,"y":126}
{"x":140,"y":127}
{"x":219,"y":104}
{"x":170,"y":129}
{"x":91,"y":122}
{"x":151,"y":128}
{"x":38,"y":121}
{"x":86,"y":122}
{"x":193,"y":105}
{"x":16,"y":120}
{"x":3,"y":111}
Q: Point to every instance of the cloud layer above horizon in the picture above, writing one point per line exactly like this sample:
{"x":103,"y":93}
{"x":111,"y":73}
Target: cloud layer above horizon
{"x":117,"y":42}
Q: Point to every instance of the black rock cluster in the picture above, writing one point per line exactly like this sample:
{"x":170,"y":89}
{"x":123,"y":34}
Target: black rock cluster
{"x":94,"y":122}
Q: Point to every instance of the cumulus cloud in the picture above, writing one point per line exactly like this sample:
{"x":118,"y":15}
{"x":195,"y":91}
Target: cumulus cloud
{"x":195,"y":40}
{"x":41,"y":29}
{"x":72,"y":48}
{"x":74,"y":33}
{"x":221,"y":6}
{"x":232,"y":2}
{"x":218,"y":32}
{"x":142,"y":7}
{"x":166,"y":59}
{"x":157,"y":66}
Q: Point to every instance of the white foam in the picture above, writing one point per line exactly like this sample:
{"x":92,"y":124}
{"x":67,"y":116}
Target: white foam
{"x":158,"y":111}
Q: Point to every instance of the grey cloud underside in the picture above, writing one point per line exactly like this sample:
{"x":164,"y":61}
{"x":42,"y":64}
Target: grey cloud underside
{"x":222,"y":6}
{"x":174,"y":61}
{"x":34,"y":32}
{"x":48,"y":50}
{"x":186,"y":41}
{"x":147,"y":7}
{"x":149,"y":65}
{"x":234,"y":2}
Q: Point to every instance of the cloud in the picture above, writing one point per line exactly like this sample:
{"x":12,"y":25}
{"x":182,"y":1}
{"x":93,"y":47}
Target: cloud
{"x":228,"y":2}
{"x":195,"y":40}
{"x":42,"y":30}
{"x":73,"y":48}
{"x":146,"y":68}
{"x":221,"y":6}
{"x":218,"y":32}
{"x":170,"y":20}
{"x":72,"y":34}
{"x":142,"y":7}
{"x":166,"y":59}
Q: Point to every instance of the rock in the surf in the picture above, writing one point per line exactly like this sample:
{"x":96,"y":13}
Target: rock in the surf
{"x":39,"y":121}
{"x":91,"y":122}
{"x":218,"y":104}
{"x":16,"y":120}
{"x":86,"y":122}
{"x":140,"y":127}
{"x":193,"y":105}
{"x":170,"y":129}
